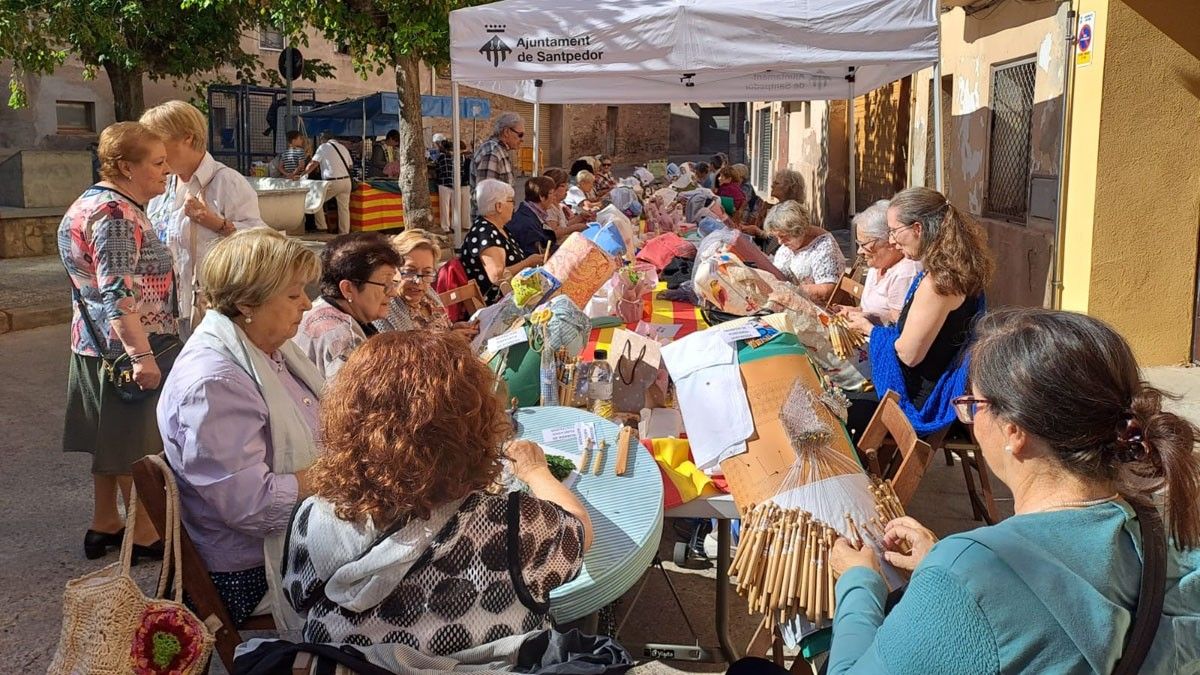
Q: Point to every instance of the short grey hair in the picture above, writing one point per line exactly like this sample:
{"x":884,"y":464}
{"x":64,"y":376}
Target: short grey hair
{"x":506,"y":120}
{"x":789,"y":218}
{"x":489,"y":193}
{"x":790,"y":184}
{"x":872,"y":221}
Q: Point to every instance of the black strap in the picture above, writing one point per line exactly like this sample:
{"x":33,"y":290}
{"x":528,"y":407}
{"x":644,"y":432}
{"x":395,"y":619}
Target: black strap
{"x":334,"y":146}
{"x":1151,"y":593}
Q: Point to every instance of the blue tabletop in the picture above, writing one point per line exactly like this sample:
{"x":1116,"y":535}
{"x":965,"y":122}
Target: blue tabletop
{"x":626,"y":513}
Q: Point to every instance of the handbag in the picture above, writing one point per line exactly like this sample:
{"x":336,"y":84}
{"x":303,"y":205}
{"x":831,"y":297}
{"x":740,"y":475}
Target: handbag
{"x":110,"y":627}
{"x":638,"y":361}
{"x":119,"y":371}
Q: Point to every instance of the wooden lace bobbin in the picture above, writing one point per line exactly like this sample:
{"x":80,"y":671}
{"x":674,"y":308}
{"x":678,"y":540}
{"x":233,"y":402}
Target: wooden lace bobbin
{"x":810,"y":561}
{"x":789,"y":555}
{"x":830,"y":538}
{"x":781,"y":556}
{"x":752,"y":524}
{"x":798,"y":560}
{"x":753,"y":546}
{"x":819,"y":586}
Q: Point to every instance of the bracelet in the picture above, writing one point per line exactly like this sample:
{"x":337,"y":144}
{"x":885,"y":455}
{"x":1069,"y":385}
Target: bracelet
{"x":138,"y":357}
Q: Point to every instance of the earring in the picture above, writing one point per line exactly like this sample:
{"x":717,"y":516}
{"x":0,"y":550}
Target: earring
{"x":128,"y":176}
{"x":1008,"y":449}
{"x":250,"y":319}
{"x":350,"y":300}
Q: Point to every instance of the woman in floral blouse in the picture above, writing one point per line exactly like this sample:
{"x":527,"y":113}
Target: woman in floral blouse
{"x":417,"y":306}
{"x":123,"y":280}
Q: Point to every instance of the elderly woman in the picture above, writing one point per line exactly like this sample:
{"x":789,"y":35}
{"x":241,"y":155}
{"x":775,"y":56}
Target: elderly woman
{"x":239,"y":414}
{"x":920,"y":357}
{"x":1062,"y":418}
{"x":889,"y":273}
{"x":489,"y":254}
{"x":416,"y":306}
{"x":122,"y":279}
{"x":605,"y":180}
{"x":808,"y":255}
{"x":529,"y":225}
{"x":204,"y":201}
{"x":358,"y":282}
{"x":786,"y":185}
{"x":451,"y":565}
{"x":581,"y":196}
{"x":559,"y":216}
{"x":729,"y":185}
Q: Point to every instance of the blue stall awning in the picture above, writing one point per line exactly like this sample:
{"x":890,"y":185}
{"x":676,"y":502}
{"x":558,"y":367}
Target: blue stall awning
{"x":381,"y":111}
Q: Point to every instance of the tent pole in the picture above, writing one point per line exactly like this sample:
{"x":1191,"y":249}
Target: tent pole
{"x":851,"y":149}
{"x":456,"y":202}
{"x":537,"y":125}
{"x":935,"y":91}
{"x":362,"y":143}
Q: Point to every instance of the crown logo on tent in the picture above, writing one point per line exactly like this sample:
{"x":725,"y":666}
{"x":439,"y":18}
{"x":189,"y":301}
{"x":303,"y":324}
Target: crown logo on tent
{"x":496,"y":51}
{"x":494,"y":27}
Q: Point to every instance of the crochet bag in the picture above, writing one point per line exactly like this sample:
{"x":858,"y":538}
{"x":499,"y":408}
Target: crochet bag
{"x":582,"y":267}
{"x":111,"y":628}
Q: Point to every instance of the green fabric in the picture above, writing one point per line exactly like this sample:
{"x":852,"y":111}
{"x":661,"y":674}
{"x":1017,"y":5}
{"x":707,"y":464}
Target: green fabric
{"x":1037,"y":593}
{"x":522,"y":368}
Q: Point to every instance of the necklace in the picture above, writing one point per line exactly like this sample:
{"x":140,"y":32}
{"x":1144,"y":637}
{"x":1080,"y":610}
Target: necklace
{"x":1077,"y":504}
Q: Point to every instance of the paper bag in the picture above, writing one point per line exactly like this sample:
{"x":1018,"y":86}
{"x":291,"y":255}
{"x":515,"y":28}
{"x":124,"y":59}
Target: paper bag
{"x":635,"y":361}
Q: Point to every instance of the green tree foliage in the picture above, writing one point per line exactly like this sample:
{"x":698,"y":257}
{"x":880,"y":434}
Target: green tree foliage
{"x":128,"y":39}
{"x":380,"y":35}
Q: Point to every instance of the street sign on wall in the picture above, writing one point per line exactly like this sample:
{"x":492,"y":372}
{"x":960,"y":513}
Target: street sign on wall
{"x":1085,"y":39}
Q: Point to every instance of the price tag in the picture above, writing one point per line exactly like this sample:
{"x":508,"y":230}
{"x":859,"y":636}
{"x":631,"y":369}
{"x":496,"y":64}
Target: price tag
{"x":560,"y":434}
{"x":513,"y":337}
{"x":747,"y":331}
{"x":585,"y":431}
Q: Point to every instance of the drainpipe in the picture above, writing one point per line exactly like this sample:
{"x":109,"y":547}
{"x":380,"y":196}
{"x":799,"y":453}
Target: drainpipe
{"x":1058,"y":261}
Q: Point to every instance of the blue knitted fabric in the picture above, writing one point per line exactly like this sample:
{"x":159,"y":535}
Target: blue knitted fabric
{"x":886,"y":373}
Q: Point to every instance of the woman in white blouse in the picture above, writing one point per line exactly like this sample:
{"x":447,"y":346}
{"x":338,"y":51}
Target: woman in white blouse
{"x":205,"y":200}
{"x":808,"y":255}
{"x":889,"y":273}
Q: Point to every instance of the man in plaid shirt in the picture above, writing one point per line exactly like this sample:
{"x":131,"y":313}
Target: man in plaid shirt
{"x":491,"y":158}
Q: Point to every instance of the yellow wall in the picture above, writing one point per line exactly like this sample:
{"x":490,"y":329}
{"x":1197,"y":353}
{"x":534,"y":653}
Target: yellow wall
{"x":1134,"y":192}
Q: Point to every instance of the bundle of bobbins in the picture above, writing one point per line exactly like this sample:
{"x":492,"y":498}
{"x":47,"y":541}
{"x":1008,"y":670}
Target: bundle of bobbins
{"x":783,"y":566}
{"x":844,"y":338}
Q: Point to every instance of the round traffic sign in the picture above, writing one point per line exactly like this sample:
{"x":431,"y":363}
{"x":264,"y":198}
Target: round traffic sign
{"x":1085,"y":37}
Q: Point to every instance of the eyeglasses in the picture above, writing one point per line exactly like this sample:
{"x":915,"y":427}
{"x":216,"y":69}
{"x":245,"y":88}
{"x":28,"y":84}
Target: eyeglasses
{"x":520,"y":134}
{"x":389,"y":287}
{"x":413,"y":275}
{"x":607,"y":165}
{"x":893,"y":230}
{"x":966,"y":407}
{"x":868,"y":246}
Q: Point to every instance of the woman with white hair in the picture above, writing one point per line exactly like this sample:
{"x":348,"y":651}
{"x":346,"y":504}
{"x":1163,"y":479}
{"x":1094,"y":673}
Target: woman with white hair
{"x":488,"y":254}
{"x":889,"y":273}
{"x":808,"y":255}
{"x":204,"y":200}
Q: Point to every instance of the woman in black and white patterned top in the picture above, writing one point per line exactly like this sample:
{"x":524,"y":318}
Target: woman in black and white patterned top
{"x":416,"y":551}
{"x":490,"y":255}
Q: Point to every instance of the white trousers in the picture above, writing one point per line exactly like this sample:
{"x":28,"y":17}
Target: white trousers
{"x":339,"y":190}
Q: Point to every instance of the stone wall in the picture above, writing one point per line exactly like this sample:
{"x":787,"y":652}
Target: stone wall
{"x":27,"y":237}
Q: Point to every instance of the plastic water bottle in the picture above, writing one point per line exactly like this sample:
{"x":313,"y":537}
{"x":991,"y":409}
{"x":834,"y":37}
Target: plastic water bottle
{"x":600,"y":387}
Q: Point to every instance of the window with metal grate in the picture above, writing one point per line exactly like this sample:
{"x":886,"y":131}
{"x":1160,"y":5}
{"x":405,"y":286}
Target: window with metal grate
{"x":1008,"y":149}
{"x":765,"y":144}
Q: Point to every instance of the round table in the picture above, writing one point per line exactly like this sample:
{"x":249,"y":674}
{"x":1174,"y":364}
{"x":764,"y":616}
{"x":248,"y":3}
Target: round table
{"x":626,"y":513}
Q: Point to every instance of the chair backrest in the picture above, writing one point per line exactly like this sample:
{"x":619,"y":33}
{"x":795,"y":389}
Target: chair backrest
{"x":907,"y":462}
{"x":849,"y":292}
{"x":152,"y":493}
{"x":468,"y":295}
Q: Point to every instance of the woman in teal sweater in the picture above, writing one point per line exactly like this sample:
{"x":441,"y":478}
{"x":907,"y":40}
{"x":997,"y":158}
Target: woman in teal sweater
{"x":1063,"y":419}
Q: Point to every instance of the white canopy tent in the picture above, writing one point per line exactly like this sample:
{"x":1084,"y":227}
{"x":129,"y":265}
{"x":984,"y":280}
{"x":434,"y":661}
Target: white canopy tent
{"x":659,"y":51}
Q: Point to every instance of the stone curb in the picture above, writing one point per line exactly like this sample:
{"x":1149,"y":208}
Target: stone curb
{"x":24,"y":318}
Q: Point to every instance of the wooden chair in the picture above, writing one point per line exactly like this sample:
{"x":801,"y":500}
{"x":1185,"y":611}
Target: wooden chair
{"x":849,"y":292}
{"x":904,"y":462}
{"x":151,"y":489}
{"x":959,"y":440}
{"x":468,"y":295}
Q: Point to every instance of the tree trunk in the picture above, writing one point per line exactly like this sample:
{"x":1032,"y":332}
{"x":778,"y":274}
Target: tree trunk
{"x":129,"y":98}
{"x":414,"y":176}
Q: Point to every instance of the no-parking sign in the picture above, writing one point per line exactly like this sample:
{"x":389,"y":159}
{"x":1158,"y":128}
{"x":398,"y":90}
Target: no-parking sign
{"x":1085,"y":39}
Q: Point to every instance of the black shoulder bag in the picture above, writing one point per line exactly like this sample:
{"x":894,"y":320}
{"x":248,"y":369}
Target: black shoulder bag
{"x":1151,"y":593}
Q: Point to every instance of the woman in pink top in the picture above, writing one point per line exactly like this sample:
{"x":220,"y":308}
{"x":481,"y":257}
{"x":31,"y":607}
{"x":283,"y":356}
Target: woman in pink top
{"x":889,"y":273}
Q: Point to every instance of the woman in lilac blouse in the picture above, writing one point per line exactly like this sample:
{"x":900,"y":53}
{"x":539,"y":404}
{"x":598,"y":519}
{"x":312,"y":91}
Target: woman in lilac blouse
{"x":238,"y":413}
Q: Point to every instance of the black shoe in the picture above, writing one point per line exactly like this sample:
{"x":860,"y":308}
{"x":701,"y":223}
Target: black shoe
{"x":152,"y":552}
{"x":96,"y":544}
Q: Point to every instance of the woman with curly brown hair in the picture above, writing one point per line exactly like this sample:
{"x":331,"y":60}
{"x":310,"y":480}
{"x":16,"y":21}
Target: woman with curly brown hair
{"x":402,"y":543}
{"x":922,"y":357}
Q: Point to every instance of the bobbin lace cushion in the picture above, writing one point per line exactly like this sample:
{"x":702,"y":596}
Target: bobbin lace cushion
{"x":467,"y":588}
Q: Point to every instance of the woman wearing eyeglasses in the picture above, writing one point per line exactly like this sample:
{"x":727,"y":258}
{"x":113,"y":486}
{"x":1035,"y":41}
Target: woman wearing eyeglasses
{"x":920,"y":358}
{"x":1064,"y":420}
{"x":417,"y":306}
{"x":889,"y":273}
{"x":358,"y":282}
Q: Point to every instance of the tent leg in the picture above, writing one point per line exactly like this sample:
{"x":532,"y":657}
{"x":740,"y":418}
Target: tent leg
{"x":456,"y":205}
{"x":537,"y":125}
{"x":852,"y":150}
{"x":939,"y":157}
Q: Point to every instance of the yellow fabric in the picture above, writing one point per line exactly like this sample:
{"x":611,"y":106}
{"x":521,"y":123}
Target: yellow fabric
{"x":674,"y":456}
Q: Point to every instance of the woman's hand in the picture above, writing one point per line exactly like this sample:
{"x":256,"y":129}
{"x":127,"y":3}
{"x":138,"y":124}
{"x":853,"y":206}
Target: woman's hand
{"x":860,"y":322}
{"x":146,"y":373}
{"x":527,"y":458}
{"x":845,"y":556}
{"x":907,"y":534}
{"x":467,"y":329}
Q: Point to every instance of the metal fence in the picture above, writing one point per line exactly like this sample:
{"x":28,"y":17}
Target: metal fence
{"x":248,"y":124}
{"x":1009,"y":148}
